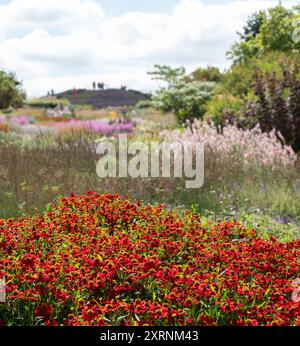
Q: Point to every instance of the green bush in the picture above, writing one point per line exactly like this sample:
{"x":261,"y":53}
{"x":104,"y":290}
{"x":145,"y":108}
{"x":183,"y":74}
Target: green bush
{"x":11,"y":94}
{"x":265,"y":32}
{"x":239,"y":79}
{"x":208,"y":74}
{"x":185,"y":100}
{"x":47,"y":102}
{"x":144,"y":104}
{"x":224,"y":107}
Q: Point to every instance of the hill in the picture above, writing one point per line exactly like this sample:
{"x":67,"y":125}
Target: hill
{"x":104,"y":98}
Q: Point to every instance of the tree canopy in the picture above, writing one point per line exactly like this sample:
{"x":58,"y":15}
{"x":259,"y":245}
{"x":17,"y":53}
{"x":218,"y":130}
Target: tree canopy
{"x":11,"y":93}
{"x":267,"y":31}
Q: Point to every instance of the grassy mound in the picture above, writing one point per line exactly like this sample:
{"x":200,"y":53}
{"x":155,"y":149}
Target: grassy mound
{"x":104,"y":98}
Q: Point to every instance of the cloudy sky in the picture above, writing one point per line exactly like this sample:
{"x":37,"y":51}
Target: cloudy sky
{"x":61,"y":44}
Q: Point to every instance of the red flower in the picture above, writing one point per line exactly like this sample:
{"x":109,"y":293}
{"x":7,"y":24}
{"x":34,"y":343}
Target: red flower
{"x":43,"y":310}
{"x":101,"y":260}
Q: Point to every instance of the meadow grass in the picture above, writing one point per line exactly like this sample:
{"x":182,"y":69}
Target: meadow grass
{"x":36,"y":172}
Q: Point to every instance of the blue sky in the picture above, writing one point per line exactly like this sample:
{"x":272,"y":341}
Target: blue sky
{"x":116,"y":7}
{"x":55,"y":44}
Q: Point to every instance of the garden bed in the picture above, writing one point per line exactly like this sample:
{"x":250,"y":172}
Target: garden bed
{"x":104,"y":260}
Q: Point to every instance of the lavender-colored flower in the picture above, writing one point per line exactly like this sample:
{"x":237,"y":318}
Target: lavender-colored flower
{"x":20,"y":120}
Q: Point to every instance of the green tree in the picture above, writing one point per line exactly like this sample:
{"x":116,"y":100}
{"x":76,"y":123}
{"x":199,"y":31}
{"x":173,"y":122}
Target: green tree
{"x":11,"y":94}
{"x":266,"y":31}
{"x":209,"y":74}
{"x":253,"y":25}
{"x":239,"y":80}
{"x":185,"y":100}
{"x":167,"y":74}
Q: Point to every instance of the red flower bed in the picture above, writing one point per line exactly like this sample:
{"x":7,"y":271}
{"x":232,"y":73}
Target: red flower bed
{"x":102,"y":260}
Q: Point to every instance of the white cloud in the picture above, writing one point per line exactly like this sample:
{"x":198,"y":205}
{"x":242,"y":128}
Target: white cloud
{"x":62,"y":15}
{"x":60,"y":44}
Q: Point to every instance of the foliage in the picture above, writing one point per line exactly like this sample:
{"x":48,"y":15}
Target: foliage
{"x":224,"y":108}
{"x":167,"y":74}
{"x":144,"y":104}
{"x":209,"y":74}
{"x":253,"y":26}
{"x":267,"y":31}
{"x":277,"y":103}
{"x":186,"y":100}
{"x":11,"y":94}
{"x":184,"y":95}
{"x":239,"y":80}
{"x":100,"y":260}
{"x":47,"y":102}
{"x":286,"y":229}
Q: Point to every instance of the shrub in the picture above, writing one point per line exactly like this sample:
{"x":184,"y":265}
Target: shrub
{"x":208,"y":74}
{"x":184,"y":95}
{"x":144,"y":104}
{"x":186,"y":100}
{"x":224,"y":108}
{"x":47,"y":102}
{"x":239,"y":80}
{"x":277,"y":104}
{"x":11,"y":94}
